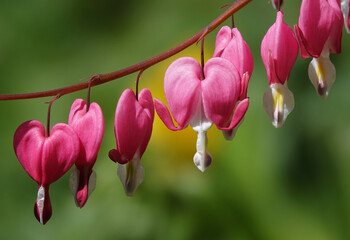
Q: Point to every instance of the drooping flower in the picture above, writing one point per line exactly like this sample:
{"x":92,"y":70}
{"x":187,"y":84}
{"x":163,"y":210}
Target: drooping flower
{"x":45,"y":158}
{"x":319,"y":34}
{"x":231,"y":46}
{"x":89,"y":126}
{"x":279,"y":50}
{"x":201,"y":102}
{"x":133,"y":128}
{"x":345,"y":7}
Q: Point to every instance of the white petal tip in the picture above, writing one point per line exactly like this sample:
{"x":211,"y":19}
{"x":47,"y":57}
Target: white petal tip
{"x":131,"y":175}
{"x":278,"y":102}
{"x":202,"y":162}
{"x":322,"y":75}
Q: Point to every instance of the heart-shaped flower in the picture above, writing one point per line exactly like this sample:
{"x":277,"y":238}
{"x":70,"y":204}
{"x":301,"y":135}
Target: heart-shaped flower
{"x":279,"y":50}
{"x":45,"y":158}
{"x":133,"y":128}
{"x":89,"y":127}
{"x":231,"y":46}
{"x":319,"y":33}
{"x":202,"y":102}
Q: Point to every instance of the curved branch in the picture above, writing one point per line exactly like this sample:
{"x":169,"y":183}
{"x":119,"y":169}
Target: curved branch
{"x":103,"y":78}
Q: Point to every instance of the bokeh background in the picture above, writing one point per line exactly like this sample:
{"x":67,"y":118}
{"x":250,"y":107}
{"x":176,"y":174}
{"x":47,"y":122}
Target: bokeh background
{"x":289,"y":183}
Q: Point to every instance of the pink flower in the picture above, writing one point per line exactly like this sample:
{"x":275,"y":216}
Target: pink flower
{"x":231,"y":46}
{"x":279,"y":50}
{"x":45,"y":158}
{"x":202,"y":102}
{"x":319,"y":34}
{"x":345,"y":6}
{"x":89,"y":127}
{"x":133,"y":128}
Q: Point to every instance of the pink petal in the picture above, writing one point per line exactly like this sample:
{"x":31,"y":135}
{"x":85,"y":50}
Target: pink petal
{"x":220,"y":90}
{"x":223,"y":38}
{"x":146,"y":102}
{"x":244,"y":86}
{"x":182,"y":90}
{"x":89,"y":126}
{"x":165,"y":116}
{"x":238,"y":114}
{"x":133,"y":124}
{"x":317,"y":18}
{"x":276,"y":39}
{"x":335,"y":35}
{"x":60,"y":152}
{"x":28,"y":144}
{"x":239,"y":54}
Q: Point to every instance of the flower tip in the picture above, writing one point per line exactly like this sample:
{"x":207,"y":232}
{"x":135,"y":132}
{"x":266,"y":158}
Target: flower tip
{"x":278,"y":102}
{"x":42,"y":206}
{"x":131,"y":175}
{"x":202,"y":162}
{"x":82,"y":183}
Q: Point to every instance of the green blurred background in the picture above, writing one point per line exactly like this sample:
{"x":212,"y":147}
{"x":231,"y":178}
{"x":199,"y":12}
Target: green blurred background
{"x":289,"y":183}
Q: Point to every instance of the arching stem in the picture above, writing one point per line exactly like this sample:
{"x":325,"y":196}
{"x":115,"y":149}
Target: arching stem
{"x":103,"y":78}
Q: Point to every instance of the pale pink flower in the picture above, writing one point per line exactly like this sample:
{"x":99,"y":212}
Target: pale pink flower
{"x":231,"y":46}
{"x":200,"y":102}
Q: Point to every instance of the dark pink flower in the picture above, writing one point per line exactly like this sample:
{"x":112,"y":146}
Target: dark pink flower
{"x":45,"y":158}
{"x":202,"y":102}
{"x":133,"y":128}
{"x":279,"y":50}
{"x":319,"y":33}
{"x":345,"y":7}
{"x":89,"y":126}
{"x":231,"y":46}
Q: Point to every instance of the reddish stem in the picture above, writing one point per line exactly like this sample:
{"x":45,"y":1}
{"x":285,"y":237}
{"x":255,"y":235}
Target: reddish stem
{"x":202,"y":60}
{"x":103,"y":78}
{"x":49,"y":114}
{"x":137,"y":84}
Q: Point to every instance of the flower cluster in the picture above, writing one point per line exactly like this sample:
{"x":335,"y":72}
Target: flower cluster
{"x":198,"y":95}
{"x":46,"y":156}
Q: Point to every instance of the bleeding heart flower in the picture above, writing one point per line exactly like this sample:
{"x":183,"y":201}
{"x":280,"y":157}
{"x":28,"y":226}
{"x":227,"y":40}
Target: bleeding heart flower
{"x":345,"y":6}
{"x":202,"y":102}
{"x":279,"y":50}
{"x":319,"y":34}
{"x":231,"y":46}
{"x":45,"y":158}
{"x":133,"y":128}
{"x":89,"y":126}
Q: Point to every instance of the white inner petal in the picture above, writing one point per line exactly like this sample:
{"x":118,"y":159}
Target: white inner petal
{"x":131,"y":175}
{"x":278,"y":102}
{"x":40,"y":202}
{"x":201,"y":123}
{"x":345,"y":10}
{"x":322,"y":73}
